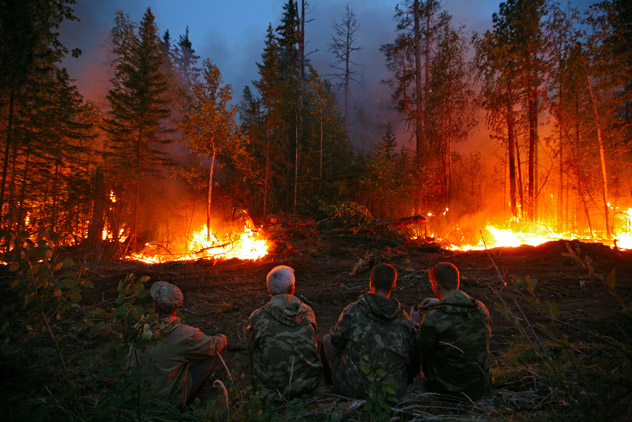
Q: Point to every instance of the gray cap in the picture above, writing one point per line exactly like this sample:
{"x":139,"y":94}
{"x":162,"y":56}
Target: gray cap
{"x":166,"y":294}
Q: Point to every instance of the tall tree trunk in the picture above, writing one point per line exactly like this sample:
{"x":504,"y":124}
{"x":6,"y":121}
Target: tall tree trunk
{"x":7,"y":148}
{"x":296,"y":165}
{"x":267,"y":173}
{"x":210,"y":196}
{"x":533,"y":139}
{"x":21,"y":217}
{"x":97,"y":220}
{"x":602,"y":157}
{"x":320,"y":174}
{"x":137,"y":189}
{"x":418,"y":89}
{"x":511,"y":149}
{"x":427,"y":64}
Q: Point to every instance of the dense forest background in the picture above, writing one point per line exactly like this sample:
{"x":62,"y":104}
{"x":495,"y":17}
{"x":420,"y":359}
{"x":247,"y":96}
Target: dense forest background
{"x":172,"y":146}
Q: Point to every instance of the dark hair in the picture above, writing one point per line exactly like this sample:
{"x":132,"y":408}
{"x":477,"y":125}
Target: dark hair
{"x":384,"y":277}
{"x":446,"y":275}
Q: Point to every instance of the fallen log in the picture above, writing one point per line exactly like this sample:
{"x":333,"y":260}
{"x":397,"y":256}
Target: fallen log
{"x":400,"y":221}
{"x":415,"y":219}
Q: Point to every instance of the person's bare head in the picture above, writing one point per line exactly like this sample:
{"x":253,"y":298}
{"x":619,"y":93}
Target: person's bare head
{"x":280,"y":280}
{"x":383,"y":279}
{"x":444,"y":278}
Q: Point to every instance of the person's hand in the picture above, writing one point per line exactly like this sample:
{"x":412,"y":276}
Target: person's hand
{"x":415,"y":314}
{"x":429,"y":301}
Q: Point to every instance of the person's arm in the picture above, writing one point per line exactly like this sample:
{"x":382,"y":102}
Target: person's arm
{"x":201,"y":346}
{"x":339,"y":334}
{"x":426,"y":338}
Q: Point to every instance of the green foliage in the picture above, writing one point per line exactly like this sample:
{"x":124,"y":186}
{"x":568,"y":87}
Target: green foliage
{"x":45,"y":287}
{"x":381,"y":395}
{"x":348,"y":215}
{"x":582,"y":379}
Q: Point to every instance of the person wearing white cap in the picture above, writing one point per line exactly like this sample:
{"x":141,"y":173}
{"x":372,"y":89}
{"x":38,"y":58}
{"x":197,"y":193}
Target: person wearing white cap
{"x":184,"y":357}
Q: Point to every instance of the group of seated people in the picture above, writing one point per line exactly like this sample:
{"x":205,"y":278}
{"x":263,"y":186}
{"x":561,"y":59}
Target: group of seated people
{"x":442,"y":346}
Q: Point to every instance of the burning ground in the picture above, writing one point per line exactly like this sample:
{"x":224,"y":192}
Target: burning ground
{"x":332,"y":270}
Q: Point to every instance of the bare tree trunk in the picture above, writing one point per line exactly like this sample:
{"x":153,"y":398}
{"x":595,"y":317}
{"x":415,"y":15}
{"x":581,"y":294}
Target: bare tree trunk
{"x":296,"y":165}
{"x":5,"y":165}
{"x":97,"y":221}
{"x":533,"y":142}
{"x":210,"y":196}
{"x":510,"y":149}
{"x":136,"y":189}
{"x":418,"y":89}
{"x":321,"y":146}
{"x":602,"y":157}
{"x":265,"y":181}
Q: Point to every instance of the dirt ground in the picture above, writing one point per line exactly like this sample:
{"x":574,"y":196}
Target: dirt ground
{"x":332,"y":270}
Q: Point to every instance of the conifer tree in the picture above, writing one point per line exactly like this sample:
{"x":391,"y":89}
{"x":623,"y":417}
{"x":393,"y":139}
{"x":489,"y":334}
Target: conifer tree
{"x":138,"y":102}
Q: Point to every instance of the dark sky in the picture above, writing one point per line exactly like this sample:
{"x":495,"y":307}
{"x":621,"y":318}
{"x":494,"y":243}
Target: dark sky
{"x":231,"y":34}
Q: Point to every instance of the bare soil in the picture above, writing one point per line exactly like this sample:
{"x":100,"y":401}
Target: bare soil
{"x":332,"y":270}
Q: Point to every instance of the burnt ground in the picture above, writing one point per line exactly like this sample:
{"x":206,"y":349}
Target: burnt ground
{"x":332,"y":270}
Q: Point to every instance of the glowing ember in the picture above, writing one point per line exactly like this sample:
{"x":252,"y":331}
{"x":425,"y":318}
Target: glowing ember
{"x":247,"y":245}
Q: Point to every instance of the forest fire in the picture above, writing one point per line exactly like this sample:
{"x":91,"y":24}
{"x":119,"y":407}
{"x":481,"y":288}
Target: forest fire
{"x":495,"y":237}
{"x":247,"y":244}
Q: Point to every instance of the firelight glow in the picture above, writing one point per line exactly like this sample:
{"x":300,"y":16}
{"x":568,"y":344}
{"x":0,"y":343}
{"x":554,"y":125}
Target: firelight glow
{"x":248,"y":244}
{"x":504,"y":237}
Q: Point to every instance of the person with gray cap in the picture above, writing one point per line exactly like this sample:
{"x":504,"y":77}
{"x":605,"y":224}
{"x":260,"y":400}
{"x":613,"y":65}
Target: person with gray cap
{"x":184,"y":357}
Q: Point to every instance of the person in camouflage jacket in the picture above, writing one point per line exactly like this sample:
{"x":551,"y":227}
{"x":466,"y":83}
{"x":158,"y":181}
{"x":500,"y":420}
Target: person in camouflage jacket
{"x":184,"y":357}
{"x":283,"y":341}
{"x":371,"y":347}
{"x":453,"y":338}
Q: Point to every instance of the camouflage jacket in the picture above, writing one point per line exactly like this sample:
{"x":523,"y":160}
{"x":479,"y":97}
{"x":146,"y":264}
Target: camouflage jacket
{"x":453,"y":343}
{"x":172,"y":356}
{"x":283,"y":347}
{"x":374,"y":333}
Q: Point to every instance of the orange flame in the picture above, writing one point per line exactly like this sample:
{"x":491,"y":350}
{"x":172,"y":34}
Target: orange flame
{"x":248,"y":244}
{"x":495,"y":237}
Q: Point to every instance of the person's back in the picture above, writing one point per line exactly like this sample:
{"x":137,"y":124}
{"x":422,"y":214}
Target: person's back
{"x":454,"y":346}
{"x":175,"y":357}
{"x":283,"y":341}
{"x":373,"y":333}
{"x":372,"y":344}
{"x":184,"y":357}
{"x":453,"y":339}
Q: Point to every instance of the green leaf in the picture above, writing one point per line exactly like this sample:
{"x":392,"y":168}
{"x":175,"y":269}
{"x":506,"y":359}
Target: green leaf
{"x":75,"y":297}
{"x":611,"y":280}
{"x":119,"y":312}
{"x":68,"y":262}
{"x":139,"y":288}
{"x":147,"y":333}
{"x":144,"y":279}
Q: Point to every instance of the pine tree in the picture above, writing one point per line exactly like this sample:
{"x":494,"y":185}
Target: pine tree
{"x":138,"y":106}
{"x":386,"y":147}
{"x":450,"y":103}
{"x":269,"y":89}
